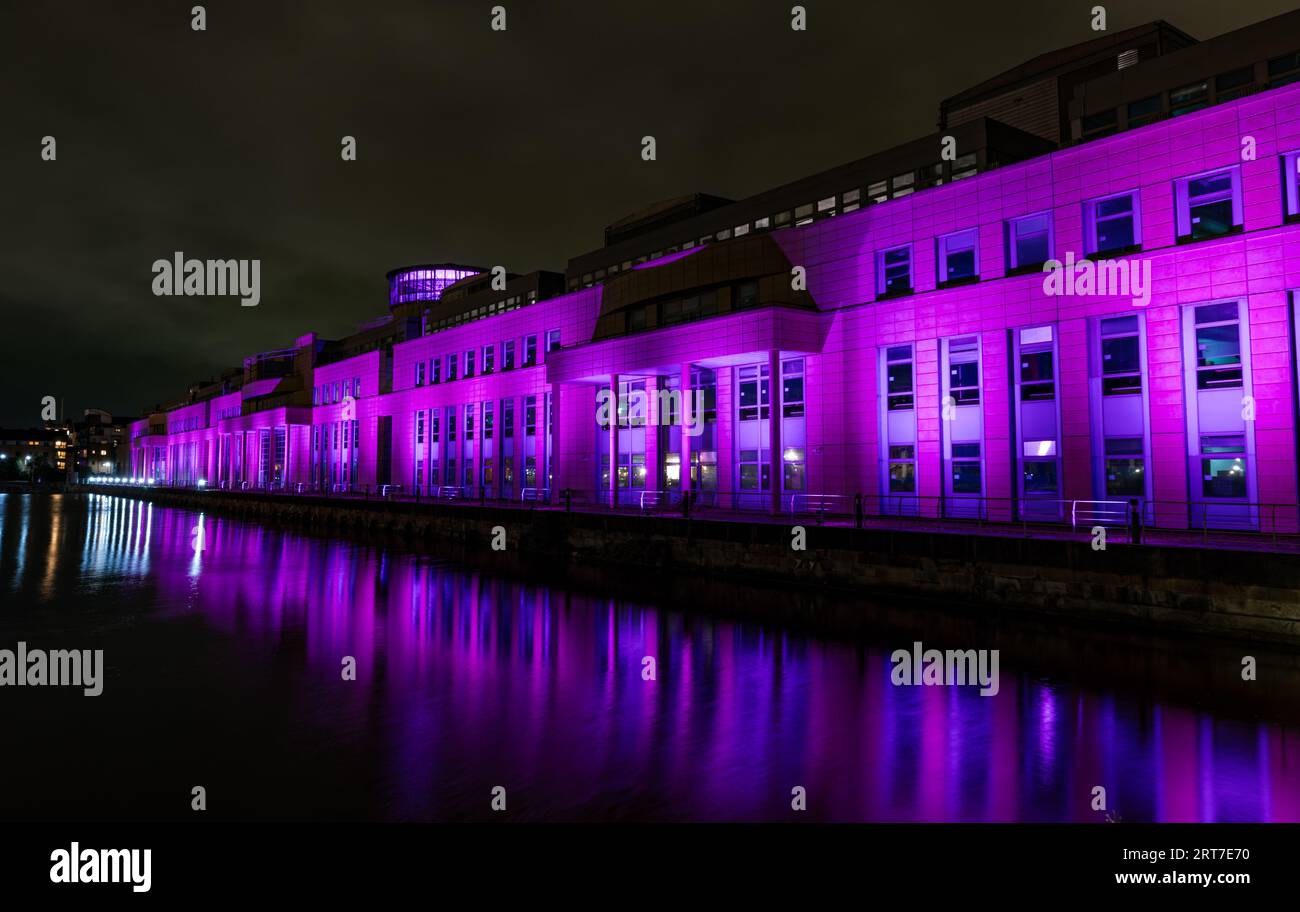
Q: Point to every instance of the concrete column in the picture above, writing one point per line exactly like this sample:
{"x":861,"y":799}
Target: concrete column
{"x":613,"y":439}
{"x":684,"y":387}
{"x":774,"y":425}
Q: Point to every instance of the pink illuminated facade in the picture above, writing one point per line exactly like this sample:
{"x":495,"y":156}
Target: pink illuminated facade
{"x":912,"y":351}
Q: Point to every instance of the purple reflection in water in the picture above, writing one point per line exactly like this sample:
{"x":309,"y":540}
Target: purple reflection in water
{"x":466,"y":682}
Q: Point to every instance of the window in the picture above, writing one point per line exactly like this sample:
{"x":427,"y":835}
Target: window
{"x":1111,"y":224}
{"x":1036,"y":378}
{"x":1284,"y":69}
{"x":419,"y":373}
{"x":755,"y":471}
{"x":435,"y":366}
{"x":1208,"y":205}
{"x":1291,"y":184}
{"x":792,"y":393}
{"x":1100,"y":124}
{"x":878,"y":192}
{"x":803,"y":214}
{"x":1223,"y":466}
{"x":1040,"y":476}
{"x":1228,"y":86}
{"x":964,"y":371}
{"x":902,"y":469}
{"x":966,"y":474}
{"x":1121,"y":358}
{"x":957,"y":257}
{"x":530,"y":416}
{"x":469,"y":363}
{"x":746,"y":295}
{"x":530,"y":351}
{"x":1029,"y":241}
{"x":487,"y":420}
{"x":552,"y":340}
{"x":1189,"y":98}
{"x":489,"y":358}
{"x":965,"y":166}
{"x":902,"y":185}
{"x":753,"y":392}
{"x":508,"y":355}
{"x":852,"y":200}
{"x":894,"y":271}
{"x":793,"y":468}
{"x":1144,"y":111}
{"x":1124,"y":467}
{"x":451,"y":367}
{"x":1218,"y":347}
{"x":356,"y":387}
{"x":469,"y":421}
{"x":508,"y":418}
{"x":898,"y":378}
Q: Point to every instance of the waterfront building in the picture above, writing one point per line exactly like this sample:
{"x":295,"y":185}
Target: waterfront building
{"x":885,"y":329}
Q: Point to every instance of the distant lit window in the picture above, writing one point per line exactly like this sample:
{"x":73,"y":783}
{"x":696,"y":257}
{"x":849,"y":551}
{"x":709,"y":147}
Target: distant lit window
{"x":803,"y":214}
{"x":1029,"y":241}
{"x":965,"y":166}
{"x":1208,"y":205}
{"x":894,"y":271}
{"x":1111,"y":223}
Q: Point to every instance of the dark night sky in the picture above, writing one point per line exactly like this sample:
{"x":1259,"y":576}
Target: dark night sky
{"x":513,"y":148}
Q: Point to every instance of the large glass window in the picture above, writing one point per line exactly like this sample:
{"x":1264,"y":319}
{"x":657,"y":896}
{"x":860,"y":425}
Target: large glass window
{"x":508,"y":354}
{"x":755,"y":471}
{"x":1030,"y":241}
{"x":530,"y":351}
{"x":419,"y":373}
{"x":469,"y":363}
{"x":489,"y":358}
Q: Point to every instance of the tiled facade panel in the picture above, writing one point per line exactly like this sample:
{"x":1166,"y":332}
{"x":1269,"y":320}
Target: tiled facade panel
{"x":841,"y":342}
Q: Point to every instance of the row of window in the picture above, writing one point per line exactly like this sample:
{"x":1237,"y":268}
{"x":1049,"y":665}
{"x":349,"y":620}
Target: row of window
{"x":514,"y":302}
{"x":337,"y":391}
{"x":1206,"y":206}
{"x":1194,"y":96}
{"x":849,"y":201}
{"x":432,"y":370}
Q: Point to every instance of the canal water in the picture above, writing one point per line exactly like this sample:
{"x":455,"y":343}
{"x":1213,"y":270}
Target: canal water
{"x":224,"y":669}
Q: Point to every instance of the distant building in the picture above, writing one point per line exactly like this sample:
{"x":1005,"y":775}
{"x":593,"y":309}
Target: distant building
{"x":33,"y":454}
{"x":100,"y":445}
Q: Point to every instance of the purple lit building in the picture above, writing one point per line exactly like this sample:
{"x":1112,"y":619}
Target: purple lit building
{"x":884,"y":329}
